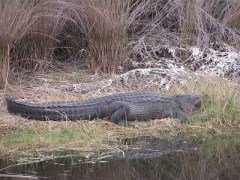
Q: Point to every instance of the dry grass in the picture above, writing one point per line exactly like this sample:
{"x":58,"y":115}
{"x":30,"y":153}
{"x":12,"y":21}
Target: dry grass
{"x":34,"y":33}
{"x":104,"y":24}
{"x":27,"y":35}
{"x":102,"y":34}
{"x":155,"y":25}
{"x":206,"y":21}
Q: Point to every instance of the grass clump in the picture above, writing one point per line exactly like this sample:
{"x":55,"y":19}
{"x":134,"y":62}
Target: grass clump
{"x":34,"y":33}
{"x":104,"y":24}
{"x":27,"y":35}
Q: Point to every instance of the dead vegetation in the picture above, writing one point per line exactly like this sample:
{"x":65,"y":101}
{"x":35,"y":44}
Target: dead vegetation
{"x":108,"y":35}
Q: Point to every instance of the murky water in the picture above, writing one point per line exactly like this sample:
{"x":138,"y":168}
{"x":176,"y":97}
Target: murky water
{"x":143,"y":159}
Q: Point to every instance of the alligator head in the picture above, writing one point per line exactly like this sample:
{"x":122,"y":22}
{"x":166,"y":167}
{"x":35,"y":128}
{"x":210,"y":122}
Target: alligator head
{"x":189,"y":103}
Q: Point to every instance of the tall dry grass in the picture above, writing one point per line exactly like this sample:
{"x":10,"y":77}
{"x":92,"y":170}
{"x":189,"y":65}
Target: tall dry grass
{"x":104,"y":24}
{"x":35,"y":49}
{"x":27,"y":34}
{"x":11,"y":29}
{"x":105,"y":34}
{"x":205,"y":21}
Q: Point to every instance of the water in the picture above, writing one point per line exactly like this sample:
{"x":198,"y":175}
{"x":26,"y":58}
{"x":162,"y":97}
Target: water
{"x":142,"y":159}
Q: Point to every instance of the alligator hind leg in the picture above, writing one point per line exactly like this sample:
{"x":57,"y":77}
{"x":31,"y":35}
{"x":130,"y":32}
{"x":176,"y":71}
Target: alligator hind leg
{"x":119,"y":115}
{"x":119,"y":112}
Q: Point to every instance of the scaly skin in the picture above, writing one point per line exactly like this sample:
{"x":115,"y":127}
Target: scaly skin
{"x":124,"y":106}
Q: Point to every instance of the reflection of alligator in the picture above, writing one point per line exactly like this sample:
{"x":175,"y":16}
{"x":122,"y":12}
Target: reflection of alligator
{"x":123,"y":106}
{"x":150,"y":147}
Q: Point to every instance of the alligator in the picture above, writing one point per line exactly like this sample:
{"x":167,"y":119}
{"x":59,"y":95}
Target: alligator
{"x":141,"y":106}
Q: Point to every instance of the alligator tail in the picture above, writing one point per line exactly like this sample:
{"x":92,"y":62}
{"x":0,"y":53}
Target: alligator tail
{"x":30,"y":111}
{"x":56,"y":111}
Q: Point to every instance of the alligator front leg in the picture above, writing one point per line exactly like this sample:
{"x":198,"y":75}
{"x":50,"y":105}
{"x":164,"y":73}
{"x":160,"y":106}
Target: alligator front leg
{"x":181,"y":116}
